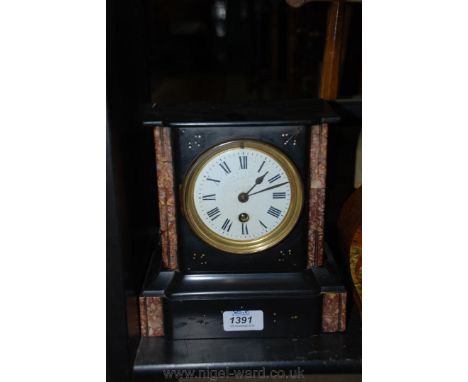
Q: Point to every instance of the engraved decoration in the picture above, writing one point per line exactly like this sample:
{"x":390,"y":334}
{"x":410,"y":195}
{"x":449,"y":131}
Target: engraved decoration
{"x":195,"y":142}
{"x":289,"y":138}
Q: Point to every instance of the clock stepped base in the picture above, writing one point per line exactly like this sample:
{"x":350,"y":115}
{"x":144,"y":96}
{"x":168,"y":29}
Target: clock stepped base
{"x":192,"y":306}
{"x":289,"y":303}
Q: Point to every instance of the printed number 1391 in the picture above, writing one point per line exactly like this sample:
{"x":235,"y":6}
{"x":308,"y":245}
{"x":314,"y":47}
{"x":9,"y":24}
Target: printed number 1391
{"x":241,"y":320}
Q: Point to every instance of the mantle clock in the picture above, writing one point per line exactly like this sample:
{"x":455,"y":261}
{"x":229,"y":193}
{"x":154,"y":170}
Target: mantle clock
{"x":241,"y":196}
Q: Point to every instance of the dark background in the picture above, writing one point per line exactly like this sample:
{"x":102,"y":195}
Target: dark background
{"x":237,"y":50}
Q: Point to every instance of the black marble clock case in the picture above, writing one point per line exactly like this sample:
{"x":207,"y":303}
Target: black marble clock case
{"x":207,"y":281}
{"x":198,"y":257}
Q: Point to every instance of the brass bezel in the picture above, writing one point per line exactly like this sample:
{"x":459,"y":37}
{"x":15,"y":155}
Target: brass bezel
{"x":242,"y":247}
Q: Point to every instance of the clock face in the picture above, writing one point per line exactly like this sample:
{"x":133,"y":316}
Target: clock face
{"x":242,"y":196}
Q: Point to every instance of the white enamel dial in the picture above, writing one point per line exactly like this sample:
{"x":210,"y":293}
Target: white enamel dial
{"x":242,"y":194}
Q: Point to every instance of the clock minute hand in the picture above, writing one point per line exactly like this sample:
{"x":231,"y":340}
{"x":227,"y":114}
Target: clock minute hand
{"x":269,"y":188}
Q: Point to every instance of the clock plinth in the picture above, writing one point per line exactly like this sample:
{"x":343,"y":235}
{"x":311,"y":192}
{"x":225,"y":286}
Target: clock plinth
{"x":294,"y":304}
{"x":241,"y":193}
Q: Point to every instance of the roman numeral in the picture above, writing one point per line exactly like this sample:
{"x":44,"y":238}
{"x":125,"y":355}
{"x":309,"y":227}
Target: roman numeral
{"x":245,"y":230}
{"x":214,"y":213}
{"x":274,"y":212}
{"x":276,"y":177}
{"x":225,"y":167}
{"x":264,"y":226}
{"x":227,"y":225}
{"x":260,"y":169}
{"x":279,"y":195}
{"x":209,"y":197}
{"x":243,"y":162}
{"x":213,"y":180}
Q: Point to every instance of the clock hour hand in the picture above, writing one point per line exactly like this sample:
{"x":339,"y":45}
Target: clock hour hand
{"x":259,"y":180}
{"x":269,"y":188}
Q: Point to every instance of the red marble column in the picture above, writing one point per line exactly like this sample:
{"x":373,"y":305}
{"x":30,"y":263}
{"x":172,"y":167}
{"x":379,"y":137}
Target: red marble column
{"x":166,"y":195}
{"x":317,"y":173}
{"x":334,"y":312}
{"x":151,"y":317}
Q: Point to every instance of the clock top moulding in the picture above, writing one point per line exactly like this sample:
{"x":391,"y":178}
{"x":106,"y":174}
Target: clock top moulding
{"x":314,"y":113}
{"x":297,"y":112}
